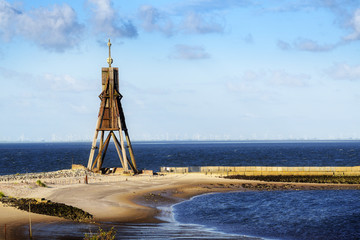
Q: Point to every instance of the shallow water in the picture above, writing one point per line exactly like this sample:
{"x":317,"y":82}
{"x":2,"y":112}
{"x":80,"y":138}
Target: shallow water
{"x":172,"y":230}
{"x":329,"y":214}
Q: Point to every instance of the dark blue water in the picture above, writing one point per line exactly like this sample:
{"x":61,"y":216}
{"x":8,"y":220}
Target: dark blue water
{"x":38,"y":157}
{"x":274,"y":215}
{"x":278,"y":214}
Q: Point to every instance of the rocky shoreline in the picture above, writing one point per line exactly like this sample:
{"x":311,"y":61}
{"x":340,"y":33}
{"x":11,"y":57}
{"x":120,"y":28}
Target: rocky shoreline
{"x":66,"y":173}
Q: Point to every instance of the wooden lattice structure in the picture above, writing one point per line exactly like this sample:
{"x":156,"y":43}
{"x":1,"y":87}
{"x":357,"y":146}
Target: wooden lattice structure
{"x":111,"y":120}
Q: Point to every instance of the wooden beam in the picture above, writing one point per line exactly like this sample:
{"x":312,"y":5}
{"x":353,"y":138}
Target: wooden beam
{"x":93,"y":146}
{"x":100,"y":153}
{"x":104,"y":98}
{"x":132,"y":157}
{"x":117,"y":145}
{"x":101,"y":161}
{"x":101,"y":139}
{"x":126,"y":168}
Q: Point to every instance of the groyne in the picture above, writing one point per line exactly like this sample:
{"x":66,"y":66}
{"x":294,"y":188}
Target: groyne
{"x":264,"y":170}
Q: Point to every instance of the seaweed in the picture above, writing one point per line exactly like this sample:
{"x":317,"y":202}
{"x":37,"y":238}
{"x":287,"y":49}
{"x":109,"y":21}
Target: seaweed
{"x":46,"y":207}
{"x":41,"y":184}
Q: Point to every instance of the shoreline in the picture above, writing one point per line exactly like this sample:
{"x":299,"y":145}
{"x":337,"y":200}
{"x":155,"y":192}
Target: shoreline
{"x":133,"y":199}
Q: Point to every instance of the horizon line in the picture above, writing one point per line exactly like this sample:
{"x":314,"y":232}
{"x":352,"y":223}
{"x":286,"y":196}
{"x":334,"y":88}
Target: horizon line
{"x":195,"y":140}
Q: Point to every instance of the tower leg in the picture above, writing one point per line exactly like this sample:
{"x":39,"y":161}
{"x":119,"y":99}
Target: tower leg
{"x":99,"y":157}
{"x":101,"y":139}
{"x":131,"y":151}
{"x":93,"y":146}
{"x":92,"y":151}
{"x":126,"y":167}
{"x":117,"y":145}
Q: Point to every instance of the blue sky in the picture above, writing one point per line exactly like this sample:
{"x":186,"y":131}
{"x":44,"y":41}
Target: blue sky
{"x":189,"y":70}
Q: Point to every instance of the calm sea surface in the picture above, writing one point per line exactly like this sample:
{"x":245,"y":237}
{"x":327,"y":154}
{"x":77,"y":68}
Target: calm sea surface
{"x":266,"y":215}
{"x":39,"y":157}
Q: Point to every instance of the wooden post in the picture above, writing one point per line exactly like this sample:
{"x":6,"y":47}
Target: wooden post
{"x":30,"y":231}
{"x":101,"y":139}
{"x":130,"y":149}
{"x":126,"y":168}
{"x":99,"y":156}
{"x":117,"y":145}
{"x":105,"y":149}
{"x":93,"y":146}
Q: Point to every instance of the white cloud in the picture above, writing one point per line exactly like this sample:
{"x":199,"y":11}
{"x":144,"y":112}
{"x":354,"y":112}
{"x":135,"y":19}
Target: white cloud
{"x":342,"y":71}
{"x":283,"y":45}
{"x":276,"y":78}
{"x":312,"y":46}
{"x":210,"y":5}
{"x":196,"y":23}
{"x":355,"y":24}
{"x":107,"y":21}
{"x":190,"y":22}
{"x":8,"y":16}
{"x":248,"y":38}
{"x":53,"y":28}
{"x":282,"y":78}
{"x":308,"y":45}
{"x":189,"y":52}
{"x":63,"y":83}
{"x":154,"y":20}
{"x":241,"y":87}
{"x":255,"y":81}
{"x":345,"y":17}
{"x":251,"y":76}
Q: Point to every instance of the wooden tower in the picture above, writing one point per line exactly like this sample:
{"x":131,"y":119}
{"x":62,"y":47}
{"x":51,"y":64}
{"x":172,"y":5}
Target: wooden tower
{"x":111,"y":120}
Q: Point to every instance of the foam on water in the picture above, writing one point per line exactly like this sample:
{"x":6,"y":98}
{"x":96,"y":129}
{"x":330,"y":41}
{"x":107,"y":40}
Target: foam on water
{"x":190,"y":230}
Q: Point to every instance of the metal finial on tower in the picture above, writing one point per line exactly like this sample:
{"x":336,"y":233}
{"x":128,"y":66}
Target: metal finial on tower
{"x":109,"y":59}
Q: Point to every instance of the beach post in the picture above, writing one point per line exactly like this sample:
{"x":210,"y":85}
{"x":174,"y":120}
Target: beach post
{"x":30,"y":231}
{"x":111,"y":120}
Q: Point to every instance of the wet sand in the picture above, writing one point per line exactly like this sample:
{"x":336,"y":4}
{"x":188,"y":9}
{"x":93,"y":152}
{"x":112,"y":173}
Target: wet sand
{"x":135,"y":199}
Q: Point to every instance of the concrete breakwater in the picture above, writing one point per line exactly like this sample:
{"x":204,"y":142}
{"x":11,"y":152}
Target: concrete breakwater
{"x":264,"y":170}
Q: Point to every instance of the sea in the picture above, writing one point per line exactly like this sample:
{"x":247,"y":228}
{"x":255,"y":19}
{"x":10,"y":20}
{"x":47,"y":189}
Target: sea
{"x":311,"y":214}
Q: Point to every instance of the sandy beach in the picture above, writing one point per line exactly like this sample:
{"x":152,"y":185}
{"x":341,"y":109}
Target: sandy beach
{"x":130,"y":199}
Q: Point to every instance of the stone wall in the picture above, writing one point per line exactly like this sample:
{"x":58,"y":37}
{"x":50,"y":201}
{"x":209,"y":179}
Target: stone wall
{"x":265,"y":171}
